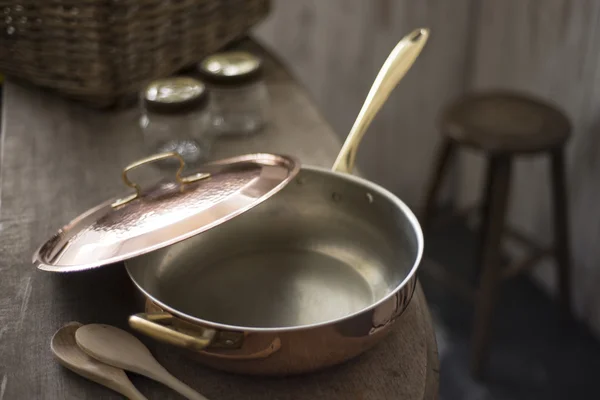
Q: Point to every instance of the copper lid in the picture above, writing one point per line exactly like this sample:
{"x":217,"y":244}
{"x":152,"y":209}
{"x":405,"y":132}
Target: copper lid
{"x":166,"y":213}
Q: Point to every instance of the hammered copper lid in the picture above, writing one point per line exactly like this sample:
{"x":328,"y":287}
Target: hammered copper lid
{"x":166,"y":213}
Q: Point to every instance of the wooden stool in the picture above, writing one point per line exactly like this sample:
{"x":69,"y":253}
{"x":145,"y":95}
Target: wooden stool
{"x":504,"y":125}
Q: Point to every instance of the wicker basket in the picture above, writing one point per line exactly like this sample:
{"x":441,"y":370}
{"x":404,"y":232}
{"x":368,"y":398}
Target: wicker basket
{"x":100,"y":51}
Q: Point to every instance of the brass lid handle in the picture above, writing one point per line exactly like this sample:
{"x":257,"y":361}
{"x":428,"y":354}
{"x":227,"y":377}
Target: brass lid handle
{"x":151,"y":159}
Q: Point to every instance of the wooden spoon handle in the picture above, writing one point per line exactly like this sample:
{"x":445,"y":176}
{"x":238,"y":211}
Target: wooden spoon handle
{"x":132,"y":393}
{"x":169,"y":380}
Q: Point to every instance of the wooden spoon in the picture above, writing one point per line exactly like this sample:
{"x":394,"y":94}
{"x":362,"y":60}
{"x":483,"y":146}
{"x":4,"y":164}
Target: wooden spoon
{"x":69,"y":355}
{"x":121,"y":349}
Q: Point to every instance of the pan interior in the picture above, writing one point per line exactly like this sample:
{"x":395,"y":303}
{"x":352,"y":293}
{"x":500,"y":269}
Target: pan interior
{"x":320,"y":250}
{"x":281,"y":288}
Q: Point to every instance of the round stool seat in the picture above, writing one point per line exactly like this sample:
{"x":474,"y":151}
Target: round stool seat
{"x":505,"y":122}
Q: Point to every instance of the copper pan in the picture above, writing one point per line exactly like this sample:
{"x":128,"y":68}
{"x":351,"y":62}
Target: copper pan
{"x":256,"y":264}
{"x":314,"y":276}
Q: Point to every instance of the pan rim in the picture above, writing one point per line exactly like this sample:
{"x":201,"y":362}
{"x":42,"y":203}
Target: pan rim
{"x":411,"y":218}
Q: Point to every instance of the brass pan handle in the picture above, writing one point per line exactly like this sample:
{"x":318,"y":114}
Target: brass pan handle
{"x":151,"y":159}
{"x":393,"y":70}
{"x":151,"y":326}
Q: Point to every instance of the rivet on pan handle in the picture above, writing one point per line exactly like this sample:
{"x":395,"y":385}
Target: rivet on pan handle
{"x":151,"y":159}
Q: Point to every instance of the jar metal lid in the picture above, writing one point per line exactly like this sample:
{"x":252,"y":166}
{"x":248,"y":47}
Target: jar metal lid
{"x":175,"y":95}
{"x":231,"y":68}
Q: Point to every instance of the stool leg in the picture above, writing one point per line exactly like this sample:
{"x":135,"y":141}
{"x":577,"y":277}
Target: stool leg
{"x":439,"y":169}
{"x":561,"y":230}
{"x":484,"y":216}
{"x":498,"y":193}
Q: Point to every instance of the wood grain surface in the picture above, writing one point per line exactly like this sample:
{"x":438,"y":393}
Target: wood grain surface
{"x":59,"y":159}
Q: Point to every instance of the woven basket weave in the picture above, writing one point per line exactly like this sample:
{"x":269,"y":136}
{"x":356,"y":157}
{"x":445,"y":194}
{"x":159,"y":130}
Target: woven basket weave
{"x":102,"y":50}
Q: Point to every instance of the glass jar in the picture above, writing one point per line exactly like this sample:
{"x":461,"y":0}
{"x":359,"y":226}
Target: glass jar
{"x":239,"y":97}
{"x":175,"y":118}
